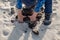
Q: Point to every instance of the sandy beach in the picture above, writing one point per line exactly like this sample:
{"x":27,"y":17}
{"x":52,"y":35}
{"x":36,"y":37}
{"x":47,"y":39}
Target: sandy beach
{"x":16,"y":31}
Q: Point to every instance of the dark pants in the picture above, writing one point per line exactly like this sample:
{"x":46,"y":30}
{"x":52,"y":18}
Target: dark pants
{"x":48,"y":6}
{"x":48,"y":9}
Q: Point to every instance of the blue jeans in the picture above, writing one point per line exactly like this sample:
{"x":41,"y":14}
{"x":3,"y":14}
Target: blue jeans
{"x":48,"y":9}
{"x":48,"y":6}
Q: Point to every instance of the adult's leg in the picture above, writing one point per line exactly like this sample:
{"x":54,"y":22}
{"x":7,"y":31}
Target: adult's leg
{"x":48,"y":12}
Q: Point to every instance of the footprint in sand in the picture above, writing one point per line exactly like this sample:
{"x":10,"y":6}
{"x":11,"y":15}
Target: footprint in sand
{"x":58,"y":33}
{"x":5,"y":33}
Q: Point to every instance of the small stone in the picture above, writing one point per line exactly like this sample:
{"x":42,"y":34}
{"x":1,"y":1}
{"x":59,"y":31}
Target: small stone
{"x":25,"y":31}
{"x":12,"y":21}
{"x":16,"y":17}
{"x":12,"y":11}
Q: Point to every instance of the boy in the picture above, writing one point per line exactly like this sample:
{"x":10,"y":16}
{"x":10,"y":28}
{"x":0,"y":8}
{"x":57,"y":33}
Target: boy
{"x":37,"y":8}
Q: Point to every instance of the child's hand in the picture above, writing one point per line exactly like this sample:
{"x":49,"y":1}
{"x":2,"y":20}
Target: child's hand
{"x":20,"y":16}
{"x":33,"y":17}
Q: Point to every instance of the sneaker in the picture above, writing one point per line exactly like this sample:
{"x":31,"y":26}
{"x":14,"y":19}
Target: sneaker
{"x":47,"y":22}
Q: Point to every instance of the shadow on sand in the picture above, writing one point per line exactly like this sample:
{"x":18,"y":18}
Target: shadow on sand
{"x":42,"y":32}
{"x":19,"y":34}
